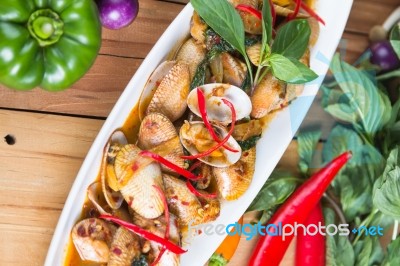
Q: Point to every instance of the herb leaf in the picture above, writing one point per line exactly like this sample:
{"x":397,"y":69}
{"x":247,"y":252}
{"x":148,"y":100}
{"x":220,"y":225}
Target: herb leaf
{"x":290,"y":70}
{"x":307,"y":143}
{"x":292,"y":39}
{"x":267,"y":22}
{"x":248,"y":143}
{"x":224,"y":20}
{"x":274,"y":192}
{"x":395,"y":39}
{"x":392,"y":257}
{"x":371,"y":107}
{"x":368,"y":251}
{"x":386,"y":195}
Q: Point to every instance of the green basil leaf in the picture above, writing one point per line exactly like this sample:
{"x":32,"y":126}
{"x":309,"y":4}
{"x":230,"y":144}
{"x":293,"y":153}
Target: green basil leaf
{"x":248,"y":143}
{"x":354,"y":183}
{"x":370,"y":105}
{"x":292,"y":39}
{"x":267,"y":22}
{"x":395,"y":39}
{"x":199,"y":77}
{"x":337,"y":104}
{"x":392,"y":257}
{"x":274,"y":192}
{"x":290,"y":70}
{"x":339,"y":251}
{"x":224,"y":20}
{"x":307,"y":143}
{"x":368,"y":252}
{"x":386,"y":195}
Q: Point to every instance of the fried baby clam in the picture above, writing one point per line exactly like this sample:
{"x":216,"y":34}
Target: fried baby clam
{"x":125,"y":247}
{"x":254,"y":52}
{"x":109,"y":182}
{"x":158,"y":227}
{"x":267,"y":96}
{"x":246,"y":130}
{"x":169,"y":97}
{"x":137,"y":177}
{"x":158,"y":134}
{"x":192,"y":54}
{"x":252,"y":24}
{"x":186,"y":206}
{"x":196,"y":139}
{"x":234,"y":180}
{"x":92,"y":238}
{"x":198,"y":29}
{"x":217,"y":111}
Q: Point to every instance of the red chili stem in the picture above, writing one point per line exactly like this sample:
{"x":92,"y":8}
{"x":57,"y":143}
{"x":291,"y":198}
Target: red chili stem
{"x":296,"y":11}
{"x":170,"y":165}
{"x":219,"y":145}
{"x":273,"y":13}
{"x":271,"y":249}
{"x":310,"y":249}
{"x":249,"y":9}
{"x":203,"y":112}
{"x":199,"y":194}
{"x":166,"y":214}
{"x":145,"y":234}
{"x":312,"y":13}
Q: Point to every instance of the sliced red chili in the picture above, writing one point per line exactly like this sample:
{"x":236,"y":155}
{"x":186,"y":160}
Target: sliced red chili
{"x":166,"y":213}
{"x":203,"y":112}
{"x":145,"y":234}
{"x":170,"y":165}
{"x":219,"y":145}
{"x":312,"y":13}
{"x":195,"y":166}
{"x":199,"y":194}
{"x":249,"y":9}
{"x":296,"y":11}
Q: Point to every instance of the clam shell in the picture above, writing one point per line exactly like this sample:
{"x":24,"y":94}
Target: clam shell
{"x":268,"y":95}
{"x":171,"y":150}
{"x":198,"y":28}
{"x":186,"y":206}
{"x":124,"y":248}
{"x":92,"y":238}
{"x":254,"y":53}
{"x":93,"y":196}
{"x":217,"y":69}
{"x":251,"y":23}
{"x":152,"y":84}
{"x":170,"y":96}
{"x":234,"y":180}
{"x":195,"y":134}
{"x":192,"y":54}
{"x":284,"y":12}
{"x":234,"y":70}
{"x":217,"y":111}
{"x":155,"y":129}
{"x":137,"y":177}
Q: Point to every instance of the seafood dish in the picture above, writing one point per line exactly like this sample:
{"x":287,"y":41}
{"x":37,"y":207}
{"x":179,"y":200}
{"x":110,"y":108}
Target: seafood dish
{"x":189,"y":150}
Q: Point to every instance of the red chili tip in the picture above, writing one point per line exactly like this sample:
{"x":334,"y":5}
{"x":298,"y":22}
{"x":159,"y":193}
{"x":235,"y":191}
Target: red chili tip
{"x":249,"y":9}
{"x":199,"y":194}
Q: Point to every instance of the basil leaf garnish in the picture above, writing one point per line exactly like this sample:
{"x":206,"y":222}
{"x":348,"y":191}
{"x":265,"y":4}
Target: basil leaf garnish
{"x":224,"y":20}
{"x":290,"y":70}
{"x":292,"y":39}
{"x":267,"y":22}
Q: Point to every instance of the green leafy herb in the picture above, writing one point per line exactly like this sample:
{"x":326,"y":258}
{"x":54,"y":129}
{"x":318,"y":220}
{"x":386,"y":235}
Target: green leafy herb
{"x":267,"y":22}
{"x":307,"y":143}
{"x":371,"y":107}
{"x":199,"y":77}
{"x":339,"y":251}
{"x":387,"y":188}
{"x":275,"y":191}
{"x":393,"y":258}
{"x":395,"y":39}
{"x":141,"y":261}
{"x":248,"y":143}
{"x":368,"y":252}
{"x":292,"y":39}
{"x":290,"y":70}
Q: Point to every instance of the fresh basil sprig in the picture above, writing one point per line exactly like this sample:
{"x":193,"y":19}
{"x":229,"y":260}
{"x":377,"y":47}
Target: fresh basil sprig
{"x":224,"y":20}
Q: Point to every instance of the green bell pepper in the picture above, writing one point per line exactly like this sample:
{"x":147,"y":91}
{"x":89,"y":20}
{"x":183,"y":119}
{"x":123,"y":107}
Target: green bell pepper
{"x":47,"y":43}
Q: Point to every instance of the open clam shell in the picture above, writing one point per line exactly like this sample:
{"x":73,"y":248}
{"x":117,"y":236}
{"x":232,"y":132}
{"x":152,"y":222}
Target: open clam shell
{"x":137,"y":177}
{"x":217,"y":111}
{"x":152,"y":84}
{"x":196,"y":139}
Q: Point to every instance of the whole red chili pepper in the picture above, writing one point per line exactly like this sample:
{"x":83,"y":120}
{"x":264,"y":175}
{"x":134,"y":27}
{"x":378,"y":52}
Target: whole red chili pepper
{"x":271,"y":247}
{"x":310,"y":249}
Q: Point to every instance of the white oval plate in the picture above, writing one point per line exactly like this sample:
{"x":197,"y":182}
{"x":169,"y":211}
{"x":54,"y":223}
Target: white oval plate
{"x":270,"y":147}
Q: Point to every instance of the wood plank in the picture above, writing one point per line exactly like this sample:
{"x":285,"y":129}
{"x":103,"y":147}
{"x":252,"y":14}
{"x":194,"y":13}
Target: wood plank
{"x":137,"y":39}
{"x":36,"y":176}
{"x":94,"y":95}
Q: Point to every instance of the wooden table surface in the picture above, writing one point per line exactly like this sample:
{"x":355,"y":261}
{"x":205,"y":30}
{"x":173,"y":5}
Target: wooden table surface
{"x":54,"y":131}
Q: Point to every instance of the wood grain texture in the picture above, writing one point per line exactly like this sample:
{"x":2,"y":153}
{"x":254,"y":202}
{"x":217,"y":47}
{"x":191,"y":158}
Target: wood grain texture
{"x":36,"y":174}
